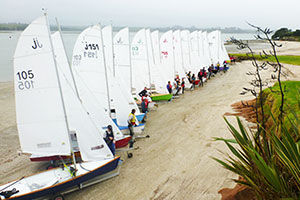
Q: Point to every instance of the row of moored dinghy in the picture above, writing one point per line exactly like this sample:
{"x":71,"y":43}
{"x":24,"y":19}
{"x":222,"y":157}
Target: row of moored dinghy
{"x":63,"y":108}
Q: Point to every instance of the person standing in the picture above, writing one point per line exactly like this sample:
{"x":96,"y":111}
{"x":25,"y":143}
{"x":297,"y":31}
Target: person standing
{"x":188,"y":75}
{"x":218,"y":66}
{"x":176,"y":86}
{"x":182,"y":85}
{"x":131,"y":123}
{"x":110,"y":139}
{"x":145,"y":103}
{"x":210,"y":68}
{"x":193,"y":79}
{"x":200,"y":77}
{"x":169,"y":87}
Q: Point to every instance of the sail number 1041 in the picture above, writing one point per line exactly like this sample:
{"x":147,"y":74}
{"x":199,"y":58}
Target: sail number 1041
{"x":25,"y":79}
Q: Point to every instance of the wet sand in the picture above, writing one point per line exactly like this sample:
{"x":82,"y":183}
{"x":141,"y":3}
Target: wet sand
{"x":288,"y":47}
{"x":174,"y":163}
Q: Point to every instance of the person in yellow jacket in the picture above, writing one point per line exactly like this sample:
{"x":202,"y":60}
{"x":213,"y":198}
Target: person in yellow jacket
{"x":131,"y":122}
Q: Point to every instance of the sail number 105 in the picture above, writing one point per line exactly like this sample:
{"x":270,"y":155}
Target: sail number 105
{"x":25,"y":79}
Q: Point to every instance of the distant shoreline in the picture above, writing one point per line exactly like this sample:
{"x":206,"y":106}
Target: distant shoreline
{"x":227,"y":30}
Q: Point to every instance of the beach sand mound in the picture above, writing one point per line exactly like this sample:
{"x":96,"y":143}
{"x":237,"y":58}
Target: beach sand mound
{"x":239,"y":192}
{"x":245,"y":109}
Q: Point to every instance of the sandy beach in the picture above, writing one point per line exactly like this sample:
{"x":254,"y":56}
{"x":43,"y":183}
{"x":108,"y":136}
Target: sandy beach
{"x":175,"y":162}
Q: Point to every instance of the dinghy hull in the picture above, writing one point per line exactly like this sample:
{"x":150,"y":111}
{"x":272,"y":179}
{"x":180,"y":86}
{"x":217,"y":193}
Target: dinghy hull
{"x":120,"y":143}
{"x":140,"y":117}
{"x":161,"y":97}
{"x":136,"y":129}
{"x":72,"y":184}
{"x":123,"y":142}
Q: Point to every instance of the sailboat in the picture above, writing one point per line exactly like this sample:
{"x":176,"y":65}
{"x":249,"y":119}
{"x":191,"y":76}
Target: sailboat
{"x":49,"y":116}
{"x":141,"y":67}
{"x":122,"y":99}
{"x":217,"y":48}
{"x":91,"y":72}
{"x":178,"y":54}
{"x":195,"y":52}
{"x":123,"y":69}
{"x":99,"y":117}
{"x":206,"y":49}
{"x":186,"y":50}
{"x":158,"y":80}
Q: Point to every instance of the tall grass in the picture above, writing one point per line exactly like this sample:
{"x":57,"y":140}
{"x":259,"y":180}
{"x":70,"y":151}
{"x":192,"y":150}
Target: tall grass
{"x":273,"y":175}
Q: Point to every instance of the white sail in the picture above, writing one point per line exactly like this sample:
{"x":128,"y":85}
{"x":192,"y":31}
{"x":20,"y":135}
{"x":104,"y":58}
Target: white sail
{"x":120,"y":97}
{"x":108,"y":48}
{"x":123,"y":65}
{"x":214,"y":45}
{"x":178,"y":54}
{"x":167,"y":55}
{"x":89,"y":136}
{"x":156,"y":47}
{"x":94,"y":103}
{"x":39,"y":109}
{"x":88,"y":61}
{"x":206,"y":49}
{"x":122,"y":57}
{"x":157,"y":77}
{"x":95,"y":109}
{"x":217,"y":48}
{"x":61,"y":58}
{"x":186,"y":50}
{"x":223,"y":55}
{"x":140,"y":62}
{"x":195,"y":52}
{"x":203,"y":58}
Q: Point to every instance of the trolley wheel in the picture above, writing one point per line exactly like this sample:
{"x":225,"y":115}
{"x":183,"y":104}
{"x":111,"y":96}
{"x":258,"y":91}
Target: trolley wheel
{"x":51,"y":166}
{"x":58,"y":197}
{"x":129,"y":155}
{"x":147,"y":136}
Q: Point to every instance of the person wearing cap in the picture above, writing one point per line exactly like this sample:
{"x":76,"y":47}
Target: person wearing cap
{"x":110,"y":139}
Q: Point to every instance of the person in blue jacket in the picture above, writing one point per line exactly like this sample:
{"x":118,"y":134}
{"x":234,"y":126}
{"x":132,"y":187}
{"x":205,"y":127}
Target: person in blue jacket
{"x":110,"y":139}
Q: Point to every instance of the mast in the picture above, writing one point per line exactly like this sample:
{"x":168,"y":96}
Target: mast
{"x":72,"y":74}
{"x":113,"y":51}
{"x":181,"y":51}
{"x":198,"y":43}
{"x":130,"y":66}
{"x":150,"y":37}
{"x":60,"y":90}
{"x":189,"y":46}
{"x":106,"y":74}
{"x":202,"y":42}
{"x":219,"y":45}
{"x":148,"y":60}
{"x":174,"y":64}
{"x":159,"y":53}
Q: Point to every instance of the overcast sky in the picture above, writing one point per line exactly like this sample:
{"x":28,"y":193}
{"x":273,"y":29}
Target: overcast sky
{"x":158,"y":13}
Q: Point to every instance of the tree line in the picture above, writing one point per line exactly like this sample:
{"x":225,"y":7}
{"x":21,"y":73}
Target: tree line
{"x":286,"y":34}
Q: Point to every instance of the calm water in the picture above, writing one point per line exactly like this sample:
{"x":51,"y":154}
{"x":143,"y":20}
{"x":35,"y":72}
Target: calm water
{"x":8,"y":42}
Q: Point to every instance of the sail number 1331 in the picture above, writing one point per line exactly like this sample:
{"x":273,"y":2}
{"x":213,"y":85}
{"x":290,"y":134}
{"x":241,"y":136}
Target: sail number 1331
{"x":25,"y":79}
